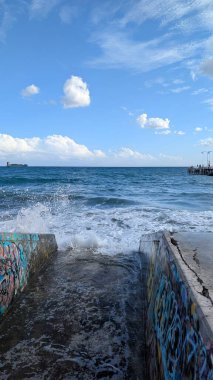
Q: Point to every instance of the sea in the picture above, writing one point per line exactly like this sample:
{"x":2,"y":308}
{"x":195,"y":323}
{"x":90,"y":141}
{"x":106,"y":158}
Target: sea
{"x":103,"y":209}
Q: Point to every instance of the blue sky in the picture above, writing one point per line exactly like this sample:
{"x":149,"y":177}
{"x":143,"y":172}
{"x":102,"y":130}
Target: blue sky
{"x":121,"y":83}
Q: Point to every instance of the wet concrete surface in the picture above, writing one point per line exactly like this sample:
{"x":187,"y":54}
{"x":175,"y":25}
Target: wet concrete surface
{"x":84,"y":317}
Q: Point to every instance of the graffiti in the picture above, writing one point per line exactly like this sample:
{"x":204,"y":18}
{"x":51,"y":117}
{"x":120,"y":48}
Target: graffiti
{"x":14,"y":266}
{"x":177,"y":350}
{"x":13,"y":272}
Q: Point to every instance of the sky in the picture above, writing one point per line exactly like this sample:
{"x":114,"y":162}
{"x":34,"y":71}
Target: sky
{"x":106,"y":83}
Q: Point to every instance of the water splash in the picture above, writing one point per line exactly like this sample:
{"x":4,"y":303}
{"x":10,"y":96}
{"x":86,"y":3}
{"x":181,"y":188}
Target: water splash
{"x":35,"y":219}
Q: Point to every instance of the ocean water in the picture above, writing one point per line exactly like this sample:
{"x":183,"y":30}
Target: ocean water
{"x":104,"y":209}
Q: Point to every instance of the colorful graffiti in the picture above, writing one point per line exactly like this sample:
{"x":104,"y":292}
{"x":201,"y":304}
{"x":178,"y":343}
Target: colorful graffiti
{"x":177,"y":349}
{"x":14,"y":266}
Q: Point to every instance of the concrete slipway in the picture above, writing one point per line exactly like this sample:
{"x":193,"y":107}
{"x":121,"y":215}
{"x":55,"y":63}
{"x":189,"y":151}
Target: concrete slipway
{"x":147,"y":315}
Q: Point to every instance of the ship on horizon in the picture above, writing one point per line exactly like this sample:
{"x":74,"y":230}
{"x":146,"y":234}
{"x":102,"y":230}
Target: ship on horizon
{"x":15,"y":165}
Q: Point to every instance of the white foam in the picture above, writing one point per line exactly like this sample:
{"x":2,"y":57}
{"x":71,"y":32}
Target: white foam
{"x":89,"y":240}
{"x":108,"y":231}
{"x":35,"y":219}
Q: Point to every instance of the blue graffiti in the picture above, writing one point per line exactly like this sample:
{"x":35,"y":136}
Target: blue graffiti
{"x":173,"y":328}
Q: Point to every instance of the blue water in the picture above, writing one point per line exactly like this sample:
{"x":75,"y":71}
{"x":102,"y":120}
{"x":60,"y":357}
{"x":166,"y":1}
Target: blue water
{"x":104,"y":208}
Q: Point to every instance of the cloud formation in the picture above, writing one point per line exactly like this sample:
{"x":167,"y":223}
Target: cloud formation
{"x":178,"y":90}
{"x":198,"y":129}
{"x":207,"y":142}
{"x":63,"y":150}
{"x":153,"y":122}
{"x":14,"y":145}
{"x":30,"y":90}
{"x":169,"y":157}
{"x":76,"y":93}
{"x":164,"y":132}
{"x":122,"y":47}
{"x":179,"y":133}
{"x":128,"y":153}
{"x":64,"y":146}
{"x":119,"y":50}
{"x":53,"y":147}
{"x":200,"y":91}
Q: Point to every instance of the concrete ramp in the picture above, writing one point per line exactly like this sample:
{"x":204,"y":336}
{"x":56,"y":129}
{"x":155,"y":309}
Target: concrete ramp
{"x":21,"y":255}
{"x":82,"y":318}
{"x":180,"y":308}
{"x":145,"y":315}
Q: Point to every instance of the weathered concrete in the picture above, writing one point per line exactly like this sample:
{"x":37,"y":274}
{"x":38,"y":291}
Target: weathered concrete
{"x":179,"y":324}
{"x":20,"y":256}
{"x":83,"y":318}
{"x":197,"y":252}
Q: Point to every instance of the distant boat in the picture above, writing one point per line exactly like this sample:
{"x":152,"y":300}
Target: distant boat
{"x":9,"y":165}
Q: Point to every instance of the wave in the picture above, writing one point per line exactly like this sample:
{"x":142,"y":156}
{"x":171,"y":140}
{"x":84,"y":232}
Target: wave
{"x":37,"y":180}
{"x":105,"y":230}
{"x":104,"y":210}
{"x":110,"y":202}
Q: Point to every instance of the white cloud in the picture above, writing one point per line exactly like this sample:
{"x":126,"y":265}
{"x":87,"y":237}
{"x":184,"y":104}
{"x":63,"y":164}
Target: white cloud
{"x":14,"y":145}
{"x":198,"y":129}
{"x":167,"y":84}
{"x":62,"y":150}
{"x":178,"y":90}
{"x":99,"y":153}
{"x":166,"y":132}
{"x":153,"y":122}
{"x":207,"y":67}
{"x":200,"y":91}
{"x":122,"y":47}
{"x":193,"y":75}
{"x":169,"y":157}
{"x":64,"y":146}
{"x":207,"y":142}
{"x":119,"y":50}
{"x":76,"y":93}
{"x":51,"y":148}
{"x":177,"y":14}
{"x":132,"y":154}
{"x":30,"y":90}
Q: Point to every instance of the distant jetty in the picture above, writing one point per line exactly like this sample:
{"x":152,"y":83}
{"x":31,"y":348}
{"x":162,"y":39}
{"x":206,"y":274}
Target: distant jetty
{"x":201,"y":170}
{"x":9,"y":165}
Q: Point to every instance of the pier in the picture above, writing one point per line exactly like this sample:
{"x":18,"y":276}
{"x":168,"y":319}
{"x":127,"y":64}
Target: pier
{"x":201,"y":170}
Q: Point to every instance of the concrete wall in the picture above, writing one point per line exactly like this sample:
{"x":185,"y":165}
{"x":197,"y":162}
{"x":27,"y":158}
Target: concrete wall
{"x":179,"y":326}
{"x":20,"y":256}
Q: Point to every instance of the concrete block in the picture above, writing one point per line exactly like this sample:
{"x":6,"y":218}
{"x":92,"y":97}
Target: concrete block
{"x":21,"y":255}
